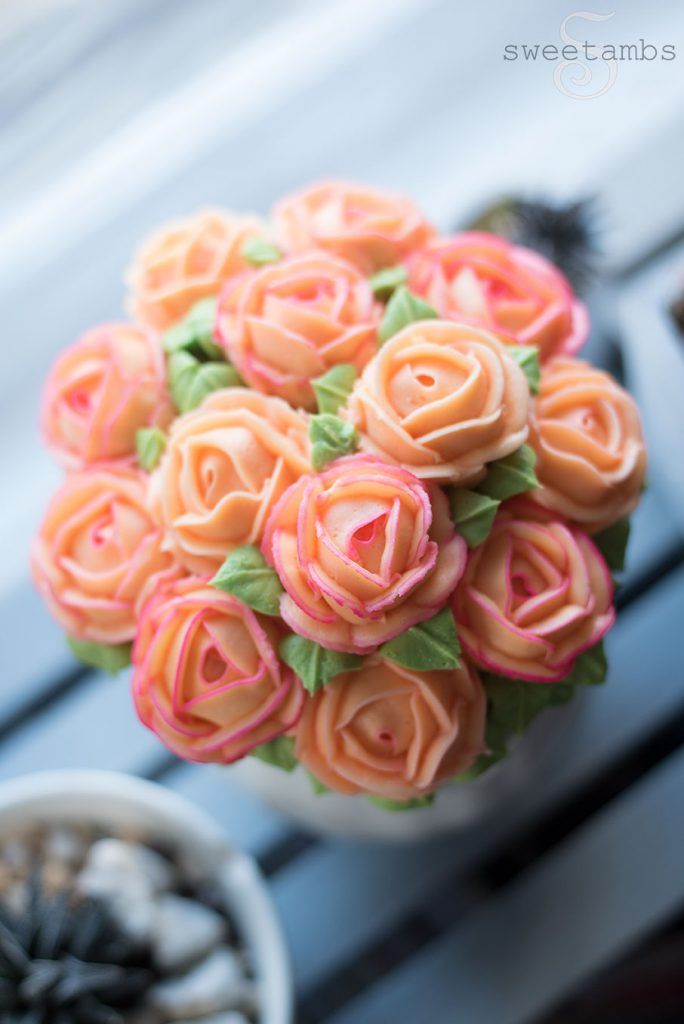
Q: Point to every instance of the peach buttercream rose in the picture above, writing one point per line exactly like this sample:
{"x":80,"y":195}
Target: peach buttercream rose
{"x":99,"y":554}
{"x":364,"y":550}
{"x":186,"y":261}
{"x":289,"y":322}
{"x":392,"y":732}
{"x":441,"y":399}
{"x":207,"y":679}
{"x":534,"y":596}
{"x":591,"y":457}
{"x":368,"y":227}
{"x":485,"y":280}
{"x":225,"y":465}
{"x":100,"y":391}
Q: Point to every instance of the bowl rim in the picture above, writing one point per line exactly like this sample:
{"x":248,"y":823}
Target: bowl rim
{"x":76,"y":795}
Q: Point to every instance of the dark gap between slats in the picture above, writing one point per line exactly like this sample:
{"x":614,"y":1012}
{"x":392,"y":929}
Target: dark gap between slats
{"x":451,"y":899}
{"x":650,"y":256}
{"x":44,"y":701}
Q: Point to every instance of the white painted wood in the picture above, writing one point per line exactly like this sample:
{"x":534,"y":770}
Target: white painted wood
{"x":602,"y":891}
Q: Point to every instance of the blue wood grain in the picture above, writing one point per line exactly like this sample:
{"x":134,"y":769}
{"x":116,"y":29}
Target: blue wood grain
{"x":379,"y":886}
{"x":603,"y":890}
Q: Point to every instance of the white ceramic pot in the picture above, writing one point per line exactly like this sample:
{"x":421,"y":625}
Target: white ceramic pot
{"x":113,"y":801}
{"x":456,"y":807}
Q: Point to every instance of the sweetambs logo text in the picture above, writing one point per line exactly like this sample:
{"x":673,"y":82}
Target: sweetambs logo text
{"x":586,"y":69}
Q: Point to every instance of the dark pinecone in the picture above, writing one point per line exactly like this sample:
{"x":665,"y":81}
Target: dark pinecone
{"x":64,"y":960}
{"x":564,"y":233}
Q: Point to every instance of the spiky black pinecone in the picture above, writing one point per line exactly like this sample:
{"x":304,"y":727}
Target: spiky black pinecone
{"x":64,"y":960}
{"x":565,"y":233}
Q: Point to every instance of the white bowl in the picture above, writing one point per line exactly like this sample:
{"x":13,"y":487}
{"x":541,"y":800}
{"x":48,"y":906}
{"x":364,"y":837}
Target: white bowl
{"x":112,"y":801}
{"x":456,"y":807}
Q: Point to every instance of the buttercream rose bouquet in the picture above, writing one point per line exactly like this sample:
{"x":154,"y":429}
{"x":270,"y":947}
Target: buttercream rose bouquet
{"x":343,"y":492}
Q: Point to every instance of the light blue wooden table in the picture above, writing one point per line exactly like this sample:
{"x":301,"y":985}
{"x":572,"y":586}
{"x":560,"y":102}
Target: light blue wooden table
{"x":116,"y":115}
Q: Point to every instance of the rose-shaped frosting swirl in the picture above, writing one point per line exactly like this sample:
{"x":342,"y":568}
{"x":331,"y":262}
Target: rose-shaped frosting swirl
{"x":441,"y":399}
{"x":225,"y":465}
{"x":392,"y":732}
{"x":485,"y":280}
{"x":364,"y":551}
{"x":591,"y":458}
{"x":207,"y":678}
{"x":100,"y":391}
{"x":187,"y":261}
{"x":98,"y":554}
{"x":534,"y":596}
{"x":368,"y":227}
{"x":291,"y":321}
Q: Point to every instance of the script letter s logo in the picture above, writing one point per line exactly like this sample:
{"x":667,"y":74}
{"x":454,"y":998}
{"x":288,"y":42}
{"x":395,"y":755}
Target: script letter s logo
{"x":575,"y":83}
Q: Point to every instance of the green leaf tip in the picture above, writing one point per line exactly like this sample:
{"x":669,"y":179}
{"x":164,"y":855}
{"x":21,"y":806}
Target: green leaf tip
{"x":150,"y":443}
{"x":246,"y":575}
{"x":473,"y":514}
{"x":317,"y":786}
{"x":278,"y":752}
{"x":430,"y":646}
{"x":316,"y":665}
{"x":332,"y":389}
{"x":612,"y":543}
{"x":403,"y":805}
{"x":111,"y":658}
{"x":260,"y":251}
{"x":195,"y":333}
{"x":511,"y":475}
{"x":385,"y":282}
{"x":527,"y":358}
{"x":331,"y":438}
{"x":402,"y":309}
{"x":190,"y":380}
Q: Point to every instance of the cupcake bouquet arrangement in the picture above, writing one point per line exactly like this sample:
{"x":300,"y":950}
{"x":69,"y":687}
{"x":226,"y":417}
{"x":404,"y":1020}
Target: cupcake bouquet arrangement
{"x":342,"y":491}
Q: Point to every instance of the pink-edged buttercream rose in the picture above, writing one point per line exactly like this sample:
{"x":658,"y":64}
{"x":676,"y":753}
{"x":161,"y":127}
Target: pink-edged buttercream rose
{"x":101,"y":391}
{"x":99,"y":554}
{"x":207,"y":679}
{"x":364,"y":550}
{"x":591,"y":457}
{"x":186,"y":261}
{"x":289,"y":322}
{"x":368,"y":227}
{"x":226,"y":464}
{"x":487,"y":281}
{"x":441,"y":399}
{"x":392,"y":732}
{"x":534,"y":596}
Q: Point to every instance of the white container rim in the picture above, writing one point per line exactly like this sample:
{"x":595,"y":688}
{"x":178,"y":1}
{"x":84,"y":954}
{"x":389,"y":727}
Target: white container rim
{"x":111,"y":799}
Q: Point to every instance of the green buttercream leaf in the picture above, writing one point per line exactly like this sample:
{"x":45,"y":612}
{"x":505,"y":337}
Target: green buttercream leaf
{"x":473,"y":514}
{"x":111,"y":658}
{"x":402,"y":309}
{"x":512,"y":475}
{"x":246,"y":575}
{"x":278,"y":752}
{"x":402,"y":805}
{"x":150,"y":443}
{"x":591,"y":667}
{"x":331,"y":438}
{"x":190,"y":381}
{"x":333,"y":388}
{"x":429,"y":646}
{"x":527,"y":358}
{"x":385,"y":282}
{"x":317,"y":786}
{"x":315,"y":665}
{"x":259,"y":251}
{"x":612,"y":543}
{"x":195,"y":333}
